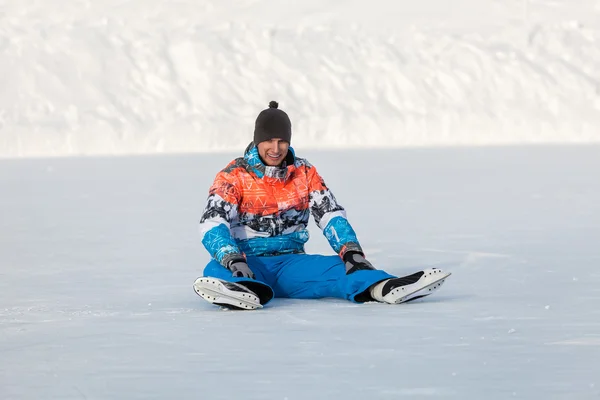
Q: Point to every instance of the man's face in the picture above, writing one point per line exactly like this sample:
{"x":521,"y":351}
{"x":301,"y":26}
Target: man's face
{"x":273,"y":151}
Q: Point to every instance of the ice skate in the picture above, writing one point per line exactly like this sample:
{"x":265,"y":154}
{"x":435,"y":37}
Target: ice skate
{"x":226,"y":294}
{"x":410,"y":287}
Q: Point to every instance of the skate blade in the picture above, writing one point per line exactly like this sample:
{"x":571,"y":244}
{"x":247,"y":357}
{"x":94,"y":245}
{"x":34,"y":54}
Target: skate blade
{"x":425,"y":290}
{"x":213,"y":291}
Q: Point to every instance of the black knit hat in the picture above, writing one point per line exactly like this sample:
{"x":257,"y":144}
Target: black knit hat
{"x":272,"y":123}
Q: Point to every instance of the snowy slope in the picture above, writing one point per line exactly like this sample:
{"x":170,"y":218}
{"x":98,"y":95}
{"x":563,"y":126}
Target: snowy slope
{"x":98,"y":255}
{"x":116,"y":76}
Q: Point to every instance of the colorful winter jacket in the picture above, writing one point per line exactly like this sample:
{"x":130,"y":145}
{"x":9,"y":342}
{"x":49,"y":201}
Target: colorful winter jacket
{"x":259,"y":210}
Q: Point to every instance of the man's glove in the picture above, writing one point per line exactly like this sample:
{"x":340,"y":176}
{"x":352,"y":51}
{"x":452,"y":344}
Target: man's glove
{"x":355,"y":261}
{"x":240,"y":269}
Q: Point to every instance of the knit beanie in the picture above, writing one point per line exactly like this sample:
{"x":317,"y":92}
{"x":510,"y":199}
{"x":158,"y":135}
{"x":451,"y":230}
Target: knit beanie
{"x":272,"y":123}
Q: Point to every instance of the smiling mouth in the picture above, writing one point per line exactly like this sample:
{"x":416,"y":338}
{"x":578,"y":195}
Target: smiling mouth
{"x":274,"y":156}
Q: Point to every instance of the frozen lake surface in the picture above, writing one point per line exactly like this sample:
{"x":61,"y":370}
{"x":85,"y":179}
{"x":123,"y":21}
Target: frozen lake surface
{"x":98,"y":256}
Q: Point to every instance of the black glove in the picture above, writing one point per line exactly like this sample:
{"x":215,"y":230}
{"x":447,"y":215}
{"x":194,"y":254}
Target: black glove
{"x":240,"y":269}
{"x":355,"y":261}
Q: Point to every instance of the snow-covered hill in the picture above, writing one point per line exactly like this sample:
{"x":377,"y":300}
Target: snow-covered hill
{"x":117,"y":76}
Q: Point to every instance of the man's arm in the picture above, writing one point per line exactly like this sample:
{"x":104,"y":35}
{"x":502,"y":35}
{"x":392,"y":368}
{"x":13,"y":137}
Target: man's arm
{"x":221,"y":208}
{"x":330,"y":216}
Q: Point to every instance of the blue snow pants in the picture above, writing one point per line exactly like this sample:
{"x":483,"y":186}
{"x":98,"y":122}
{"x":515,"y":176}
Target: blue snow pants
{"x":302,"y":276}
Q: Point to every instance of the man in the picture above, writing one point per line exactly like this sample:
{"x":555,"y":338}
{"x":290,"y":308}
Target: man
{"x":255,"y":226}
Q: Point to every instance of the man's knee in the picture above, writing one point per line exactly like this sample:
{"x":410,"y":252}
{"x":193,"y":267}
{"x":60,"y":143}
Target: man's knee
{"x":216,"y":270}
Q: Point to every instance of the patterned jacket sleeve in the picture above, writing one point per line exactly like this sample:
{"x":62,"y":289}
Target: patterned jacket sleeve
{"x":330,"y":216}
{"x":221,"y":208}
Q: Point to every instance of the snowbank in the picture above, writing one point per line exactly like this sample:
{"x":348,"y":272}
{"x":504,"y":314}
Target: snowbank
{"x":140,"y":76}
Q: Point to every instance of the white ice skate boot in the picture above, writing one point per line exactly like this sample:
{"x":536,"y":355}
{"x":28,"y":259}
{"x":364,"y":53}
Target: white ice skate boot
{"x":410,"y":287}
{"x":226,"y":294}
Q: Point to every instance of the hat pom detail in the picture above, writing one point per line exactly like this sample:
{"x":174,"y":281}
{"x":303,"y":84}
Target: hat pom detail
{"x":273,"y":104}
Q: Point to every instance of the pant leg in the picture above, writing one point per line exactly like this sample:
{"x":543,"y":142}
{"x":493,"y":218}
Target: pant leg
{"x":307,"y":276}
{"x":265,"y":293}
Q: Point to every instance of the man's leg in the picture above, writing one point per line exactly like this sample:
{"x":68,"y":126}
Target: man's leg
{"x":264,"y":292}
{"x":307,"y":276}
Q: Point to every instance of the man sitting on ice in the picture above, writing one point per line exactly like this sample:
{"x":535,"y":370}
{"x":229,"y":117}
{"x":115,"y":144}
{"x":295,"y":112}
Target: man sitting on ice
{"x":255,"y":227}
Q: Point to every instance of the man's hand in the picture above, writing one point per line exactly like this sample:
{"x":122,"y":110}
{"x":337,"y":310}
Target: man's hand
{"x":355,"y":261}
{"x":240,"y":269}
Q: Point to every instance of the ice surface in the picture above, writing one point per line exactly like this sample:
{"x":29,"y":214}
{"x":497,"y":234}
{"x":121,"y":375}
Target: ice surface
{"x":98,"y":255}
{"x":157,"y":76}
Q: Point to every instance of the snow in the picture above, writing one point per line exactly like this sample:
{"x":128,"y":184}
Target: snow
{"x":462,"y":135}
{"x":129,"y":77}
{"x":98,"y":256}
